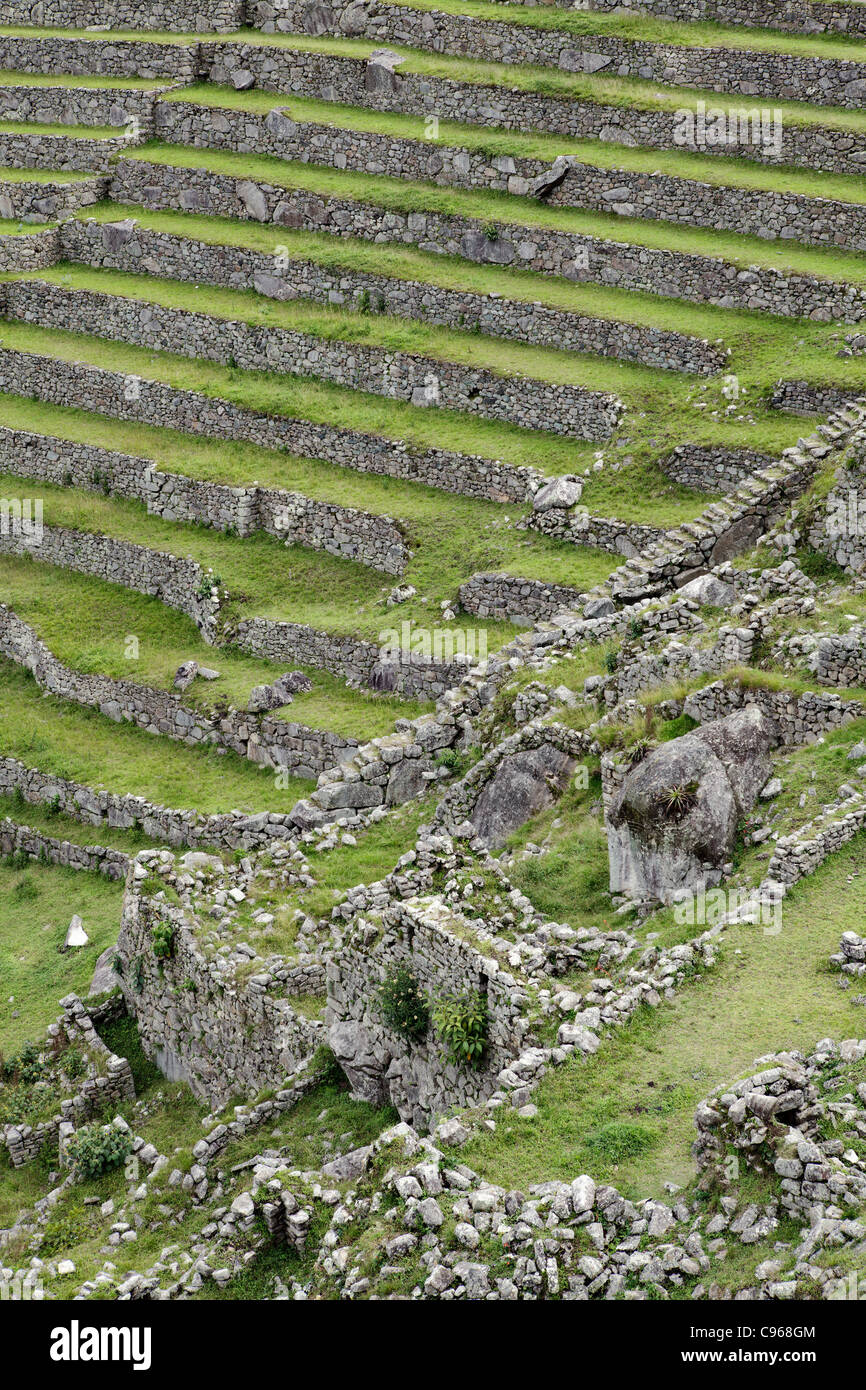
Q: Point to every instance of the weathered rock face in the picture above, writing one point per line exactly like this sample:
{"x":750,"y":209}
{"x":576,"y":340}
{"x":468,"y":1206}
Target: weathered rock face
{"x":523,"y":784}
{"x":671,"y":827}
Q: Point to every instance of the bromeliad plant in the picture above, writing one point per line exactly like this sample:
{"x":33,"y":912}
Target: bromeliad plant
{"x":461,"y":1020}
{"x":404,"y":1004}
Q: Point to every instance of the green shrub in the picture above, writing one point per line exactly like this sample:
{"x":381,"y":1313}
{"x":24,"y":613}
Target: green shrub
{"x":461,"y":1021}
{"x":162,"y":937}
{"x":95,"y":1149}
{"x":73,"y":1064}
{"x":404,"y":1004}
{"x":26,"y":1067}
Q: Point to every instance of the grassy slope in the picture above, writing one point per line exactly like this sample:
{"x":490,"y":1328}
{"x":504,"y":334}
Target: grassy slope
{"x":84,"y":746}
{"x":35,"y":908}
{"x":87,"y":624}
{"x":626,"y":1115}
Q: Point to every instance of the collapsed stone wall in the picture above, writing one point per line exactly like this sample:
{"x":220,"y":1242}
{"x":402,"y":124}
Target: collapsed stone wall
{"x":580,"y":258}
{"x":380,"y":1064}
{"x":303,"y":751}
{"x":382,"y":84}
{"x":21,"y":839}
{"x":197,"y":1029}
{"x":179,"y":16}
{"x":772,"y":1120}
{"x":371,"y":540}
{"x":110,"y":1087}
{"x":126,"y":397}
{"x":712,"y":468}
{"x":24,"y":201}
{"x":131,"y":247}
{"x":165,"y":824}
{"x":825,"y":81}
{"x":420,"y":381}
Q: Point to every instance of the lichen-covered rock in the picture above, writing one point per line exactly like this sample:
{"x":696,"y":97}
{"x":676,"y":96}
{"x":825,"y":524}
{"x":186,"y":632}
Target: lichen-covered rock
{"x":673,"y":822}
{"x":524,"y":783}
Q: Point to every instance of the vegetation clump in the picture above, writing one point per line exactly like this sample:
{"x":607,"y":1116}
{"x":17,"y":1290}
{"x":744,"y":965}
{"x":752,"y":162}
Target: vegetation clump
{"x":404,"y":1004}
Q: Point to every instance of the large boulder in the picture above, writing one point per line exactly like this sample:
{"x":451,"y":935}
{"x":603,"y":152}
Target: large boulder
{"x":365,"y":1069}
{"x":523,"y":784}
{"x":672,"y":825}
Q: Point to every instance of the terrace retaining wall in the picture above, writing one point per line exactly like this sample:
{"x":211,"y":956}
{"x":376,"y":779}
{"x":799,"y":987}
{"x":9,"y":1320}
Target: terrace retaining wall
{"x":824,"y":81}
{"x":376,"y":541}
{"x":357,"y":82}
{"x":131,"y":247}
{"x":129,"y":397}
{"x":419,"y":381}
{"x":672,"y":274}
{"x":278,"y":743}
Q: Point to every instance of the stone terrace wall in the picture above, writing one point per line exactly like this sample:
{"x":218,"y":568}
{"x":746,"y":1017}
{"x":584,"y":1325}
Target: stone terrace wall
{"x":100,"y":56}
{"x":270,"y":741}
{"x":212,"y":1037}
{"x":799,"y":719}
{"x":420,"y":381}
{"x":178,"y":582}
{"x":380,"y":1064}
{"x":805,"y":398}
{"x":724,"y":529}
{"x":796,"y":855}
{"x":21,"y":839}
{"x":507,"y":599}
{"x":842,"y":659}
{"x":130,"y":247}
{"x":798,"y":16}
{"x":356,"y":660}
{"x":162,"y":823}
{"x":828,"y":82}
{"x":713,"y":468}
{"x":33,"y":251}
{"x":179,"y":16}
{"x":135,"y":398}
{"x":170,"y":578}
{"x":44,"y":202}
{"x":580,"y":258}
{"x":80,"y":105}
{"x":582,"y":527}
{"x":69,"y":153}
{"x":359,"y":83}
{"x":376,"y":541}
